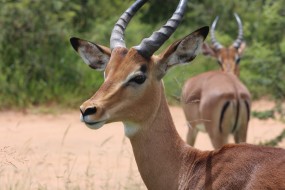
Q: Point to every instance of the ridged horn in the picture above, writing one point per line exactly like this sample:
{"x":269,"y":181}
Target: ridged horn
{"x":117,"y":35}
{"x":149,"y":45}
{"x":215,"y":43}
{"x":239,"y":39}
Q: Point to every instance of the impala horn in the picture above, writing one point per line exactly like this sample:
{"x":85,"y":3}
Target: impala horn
{"x":149,"y":45}
{"x":117,"y":35}
{"x":215,"y":43}
{"x":239,"y":39}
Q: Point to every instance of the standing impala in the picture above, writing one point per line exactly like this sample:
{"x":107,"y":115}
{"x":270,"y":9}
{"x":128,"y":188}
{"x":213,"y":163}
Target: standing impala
{"x":216,"y":101}
{"x":133,"y":93}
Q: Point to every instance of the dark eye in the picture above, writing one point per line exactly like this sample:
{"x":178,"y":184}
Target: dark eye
{"x":139,"y":79}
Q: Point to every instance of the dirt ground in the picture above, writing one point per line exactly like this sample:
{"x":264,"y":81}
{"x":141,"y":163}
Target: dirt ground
{"x":57,"y":151}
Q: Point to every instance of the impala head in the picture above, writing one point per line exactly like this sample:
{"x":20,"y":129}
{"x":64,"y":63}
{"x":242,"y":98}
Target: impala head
{"x":132,"y":88}
{"x":228,"y":57}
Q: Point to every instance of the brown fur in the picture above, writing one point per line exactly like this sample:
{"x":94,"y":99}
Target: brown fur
{"x":218,"y":100}
{"x":226,"y":56}
{"x":164,"y":160}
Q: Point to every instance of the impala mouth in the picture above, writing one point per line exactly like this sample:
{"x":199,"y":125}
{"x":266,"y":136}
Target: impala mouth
{"x":92,"y":124}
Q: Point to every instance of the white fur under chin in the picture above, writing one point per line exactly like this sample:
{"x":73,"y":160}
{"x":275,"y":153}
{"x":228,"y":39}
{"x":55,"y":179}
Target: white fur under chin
{"x":130,"y":129}
{"x":92,"y":124}
{"x":95,"y":126}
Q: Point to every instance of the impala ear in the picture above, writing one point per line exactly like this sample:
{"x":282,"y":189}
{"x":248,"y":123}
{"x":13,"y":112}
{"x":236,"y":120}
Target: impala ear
{"x":208,"y":50}
{"x":95,"y":56}
{"x":181,"y":51}
{"x":241,"y":48}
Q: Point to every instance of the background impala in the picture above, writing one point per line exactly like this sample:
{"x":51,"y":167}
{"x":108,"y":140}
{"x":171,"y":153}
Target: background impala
{"x":216,"y":101}
{"x":133,"y":93}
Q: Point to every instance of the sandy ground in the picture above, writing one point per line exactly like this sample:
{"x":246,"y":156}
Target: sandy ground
{"x":57,"y":151}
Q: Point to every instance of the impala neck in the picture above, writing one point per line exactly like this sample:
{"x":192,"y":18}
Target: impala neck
{"x":159,"y":150}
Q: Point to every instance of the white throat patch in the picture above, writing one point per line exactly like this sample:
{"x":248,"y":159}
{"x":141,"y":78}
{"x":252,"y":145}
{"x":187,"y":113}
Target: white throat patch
{"x":130,"y":129}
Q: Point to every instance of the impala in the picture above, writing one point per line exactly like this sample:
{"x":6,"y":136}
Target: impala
{"x":217,"y":102}
{"x":133,"y":93}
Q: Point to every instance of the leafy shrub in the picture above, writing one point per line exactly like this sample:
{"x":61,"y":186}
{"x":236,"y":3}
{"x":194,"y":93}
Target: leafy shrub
{"x":38,"y":65}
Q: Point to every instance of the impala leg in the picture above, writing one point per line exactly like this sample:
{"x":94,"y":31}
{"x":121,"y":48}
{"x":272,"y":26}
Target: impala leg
{"x":217,"y":121}
{"x":191,"y":135}
{"x":217,"y":138}
{"x":219,"y":141}
{"x":241,"y":134}
{"x":191,"y":111}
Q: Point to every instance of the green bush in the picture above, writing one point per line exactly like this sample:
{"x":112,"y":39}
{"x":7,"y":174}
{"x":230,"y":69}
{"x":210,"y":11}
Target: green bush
{"x":37,"y":62}
{"x":39,"y":67}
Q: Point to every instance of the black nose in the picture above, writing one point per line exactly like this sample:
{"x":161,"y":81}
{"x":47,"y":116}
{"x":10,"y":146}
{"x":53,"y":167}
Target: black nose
{"x":88,"y":111}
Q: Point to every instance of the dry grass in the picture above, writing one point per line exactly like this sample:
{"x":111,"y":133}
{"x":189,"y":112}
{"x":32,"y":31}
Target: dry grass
{"x":57,"y":152}
{"x":24,"y":168}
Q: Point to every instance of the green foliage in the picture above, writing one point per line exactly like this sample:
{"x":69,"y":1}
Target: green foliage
{"x":264,"y":59}
{"x":38,"y":66}
{"x":160,"y":12}
{"x":36,"y":59}
{"x":262,"y":66}
{"x":263,"y":114}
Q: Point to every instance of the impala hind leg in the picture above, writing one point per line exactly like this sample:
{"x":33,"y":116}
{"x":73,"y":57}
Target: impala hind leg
{"x":241,"y":134}
{"x":191,"y":111}
{"x":218,"y":128}
{"x":217,"y":122}
{"x":218,"y":142}
{"x":218,"y":139}
{"x":191,"y":135}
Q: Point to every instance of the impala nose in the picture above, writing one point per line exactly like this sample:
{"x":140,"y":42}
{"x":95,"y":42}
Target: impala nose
{"x":88,"y":111}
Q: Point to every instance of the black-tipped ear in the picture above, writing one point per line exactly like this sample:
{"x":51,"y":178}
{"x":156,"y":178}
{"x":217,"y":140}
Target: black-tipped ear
{"x":182,"y":51}
{"x":204,"y":31}
{"x":94,"y":55}
{"x":208,"y":50}
{"x":75,"y":43}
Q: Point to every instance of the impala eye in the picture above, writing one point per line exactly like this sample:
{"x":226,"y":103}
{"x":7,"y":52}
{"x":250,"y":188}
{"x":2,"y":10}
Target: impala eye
{"x":139,"y":79}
